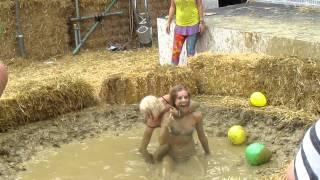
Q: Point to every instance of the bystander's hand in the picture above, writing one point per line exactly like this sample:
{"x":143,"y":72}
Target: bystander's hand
{"x":202,"y":27}
{"x":168,"y":28}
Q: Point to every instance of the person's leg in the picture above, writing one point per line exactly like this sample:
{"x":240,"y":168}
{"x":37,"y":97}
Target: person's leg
{"x":177,"y":47}
{"x":191,"y":44}
{"x":3,"y":78}
{"x":167,"y":167}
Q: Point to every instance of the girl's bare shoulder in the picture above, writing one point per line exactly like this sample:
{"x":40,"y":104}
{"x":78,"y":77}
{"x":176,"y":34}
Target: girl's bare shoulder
{"x":197,"y":115}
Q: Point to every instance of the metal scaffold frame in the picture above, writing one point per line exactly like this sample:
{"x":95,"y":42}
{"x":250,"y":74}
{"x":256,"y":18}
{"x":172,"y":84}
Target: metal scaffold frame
{"x":79,"y":40}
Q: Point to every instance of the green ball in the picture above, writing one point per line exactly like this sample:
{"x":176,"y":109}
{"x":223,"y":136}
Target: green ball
{"x":257,"y":154}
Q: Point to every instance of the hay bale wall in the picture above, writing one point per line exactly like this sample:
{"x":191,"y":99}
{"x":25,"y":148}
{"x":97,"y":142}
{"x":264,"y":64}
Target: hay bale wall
{"x":7,"y":30}
{"x":49,"y":99}
{"x":285,"y":81}
{"x":131,"y":88}
{"x":45,"y":29}
{"x":48,"y":32}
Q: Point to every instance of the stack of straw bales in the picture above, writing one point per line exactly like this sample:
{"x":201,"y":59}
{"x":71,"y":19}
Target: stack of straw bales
{"x":7,"y":30}
{"x":41,"y":100}
{"x":43,"y":23}
{"x":131,"y":88}
{"x":45,"y":27}
{"x":286,"y":81}
{"x":48,"y":31}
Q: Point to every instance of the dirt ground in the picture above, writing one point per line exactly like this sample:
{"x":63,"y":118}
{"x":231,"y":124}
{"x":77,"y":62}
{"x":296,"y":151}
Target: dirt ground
{"x":19,"y":145}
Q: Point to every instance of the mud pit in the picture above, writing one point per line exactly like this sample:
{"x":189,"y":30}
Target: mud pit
{"x":21,"y":144}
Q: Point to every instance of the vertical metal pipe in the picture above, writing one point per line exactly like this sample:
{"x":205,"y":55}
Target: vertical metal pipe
{"x":75,"y":28}
{"x":78,"y":34}
{"x":19,"y":34}
{"x":78,"y":23}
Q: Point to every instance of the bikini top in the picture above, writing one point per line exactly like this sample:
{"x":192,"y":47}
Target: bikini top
{"x":176,"y":132}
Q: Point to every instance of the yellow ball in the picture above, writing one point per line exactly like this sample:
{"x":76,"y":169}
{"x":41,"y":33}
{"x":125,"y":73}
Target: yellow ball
{"x":258,"y":99}
{"x":237,"y":134}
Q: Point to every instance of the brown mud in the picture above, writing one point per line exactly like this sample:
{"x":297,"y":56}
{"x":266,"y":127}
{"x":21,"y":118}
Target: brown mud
{"x":21,"y":144}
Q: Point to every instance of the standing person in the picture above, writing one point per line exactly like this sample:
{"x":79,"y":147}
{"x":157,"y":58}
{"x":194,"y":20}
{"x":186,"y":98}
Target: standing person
{"x":3,"y":78}
{"x":306,"y":164}
{"x":189,"y":23}
{"x":153,"y":109}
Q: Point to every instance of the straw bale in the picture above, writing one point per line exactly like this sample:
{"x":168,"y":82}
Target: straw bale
{"x":224,"y":74}
{"x":44,"y":25}
{"x":41,"y":100}
{"x":285,"y":81}
{"x":48,"y":31}
{"x":87,"y":3}
{"x":7,"y":30}
{"x":128,"y":88}
{"x":45,"y":29}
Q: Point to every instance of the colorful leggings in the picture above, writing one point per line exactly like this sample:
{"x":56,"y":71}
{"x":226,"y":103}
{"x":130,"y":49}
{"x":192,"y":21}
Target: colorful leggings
{"x":178,"y":44}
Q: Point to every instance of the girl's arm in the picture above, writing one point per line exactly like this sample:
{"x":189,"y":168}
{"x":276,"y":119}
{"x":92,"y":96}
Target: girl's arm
{"x":164,"y":130}
{"x":144,"y":144}
{"x":172,"y":12}
{"x":163,"y":148}
{"x":201,"y":13}
{"x":200,"y":131}
{"x":200,"y":9}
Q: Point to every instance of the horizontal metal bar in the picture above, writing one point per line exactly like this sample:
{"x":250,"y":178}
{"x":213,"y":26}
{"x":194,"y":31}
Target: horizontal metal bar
{"x":91,"y":17}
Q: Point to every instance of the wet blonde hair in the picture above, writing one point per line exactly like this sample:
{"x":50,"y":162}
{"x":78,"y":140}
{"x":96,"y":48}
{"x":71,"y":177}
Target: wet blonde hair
{"x":151,"y":104}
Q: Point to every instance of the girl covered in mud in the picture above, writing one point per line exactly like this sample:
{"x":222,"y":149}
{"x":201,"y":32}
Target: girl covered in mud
{"x":177,"y":131}
{"x":153,"y":110}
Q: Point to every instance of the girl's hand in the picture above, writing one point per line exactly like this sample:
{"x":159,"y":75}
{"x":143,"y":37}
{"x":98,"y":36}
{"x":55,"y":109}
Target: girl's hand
{"x":169,"y":119}
{"x":174,"y":112}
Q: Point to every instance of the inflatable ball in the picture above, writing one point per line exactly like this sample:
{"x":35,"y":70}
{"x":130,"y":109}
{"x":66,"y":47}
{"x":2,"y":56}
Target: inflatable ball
{"x":257,"y":154}
{"x":258,"y":99}
{"x":237,"y":135}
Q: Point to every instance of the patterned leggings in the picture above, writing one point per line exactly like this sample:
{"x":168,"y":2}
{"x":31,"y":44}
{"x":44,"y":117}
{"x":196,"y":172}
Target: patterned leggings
{"x":178,"y":44}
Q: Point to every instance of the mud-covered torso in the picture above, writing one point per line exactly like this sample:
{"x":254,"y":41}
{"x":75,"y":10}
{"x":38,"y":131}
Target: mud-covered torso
{"x":181,"y":137}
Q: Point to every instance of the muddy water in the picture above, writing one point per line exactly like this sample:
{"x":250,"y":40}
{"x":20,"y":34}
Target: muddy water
{"x":117,"y":157}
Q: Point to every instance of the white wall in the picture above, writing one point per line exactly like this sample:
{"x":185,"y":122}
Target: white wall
{"x":165,"y":42}
{"x":293,"y":2}
{"x":210,"y":4}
